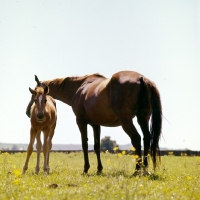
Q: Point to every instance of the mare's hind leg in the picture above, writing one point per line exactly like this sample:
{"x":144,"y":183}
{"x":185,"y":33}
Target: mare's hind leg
{"x":97,"y":130}
{"x":143,"y":122}
{"x":129,"y":128}
{"x":38,"y":147}
{"x":29,"y":149}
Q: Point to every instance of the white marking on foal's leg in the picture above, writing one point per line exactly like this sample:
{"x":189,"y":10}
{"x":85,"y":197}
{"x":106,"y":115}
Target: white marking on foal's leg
{"x":40,"y":100}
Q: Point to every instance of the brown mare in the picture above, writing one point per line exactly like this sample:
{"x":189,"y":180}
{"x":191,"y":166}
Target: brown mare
{"x":43,"y":118}
{"x":100,"y":101}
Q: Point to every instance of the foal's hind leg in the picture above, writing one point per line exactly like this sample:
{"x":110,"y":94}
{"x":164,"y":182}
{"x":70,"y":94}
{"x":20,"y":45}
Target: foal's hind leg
{"x":129,"y":128}
{"x":97,"y":130}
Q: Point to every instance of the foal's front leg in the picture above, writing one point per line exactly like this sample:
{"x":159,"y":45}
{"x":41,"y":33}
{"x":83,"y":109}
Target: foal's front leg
{"x":49,"y":142}
{"x":83,"y":129}
{"x":46,"y":151}
{"x":38,"y":147}
{"x":29,"y":149}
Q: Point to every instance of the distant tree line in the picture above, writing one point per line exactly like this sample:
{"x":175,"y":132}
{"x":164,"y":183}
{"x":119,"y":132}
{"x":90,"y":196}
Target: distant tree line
{"x":108,"y":145}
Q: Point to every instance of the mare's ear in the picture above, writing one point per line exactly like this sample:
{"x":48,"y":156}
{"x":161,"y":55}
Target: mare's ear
{"x":32,"y":91}
{"x":46,"y":89}
{"x":37,"y":80}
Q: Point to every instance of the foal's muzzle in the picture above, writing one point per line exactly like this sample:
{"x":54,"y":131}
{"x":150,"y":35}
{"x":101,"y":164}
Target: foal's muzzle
{"x":40,"y":116}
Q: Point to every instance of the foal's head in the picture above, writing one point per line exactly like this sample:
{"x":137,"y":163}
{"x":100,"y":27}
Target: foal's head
{"x":40,"y":100}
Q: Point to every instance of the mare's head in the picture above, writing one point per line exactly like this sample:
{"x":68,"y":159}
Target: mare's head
{"x":40,"y":99}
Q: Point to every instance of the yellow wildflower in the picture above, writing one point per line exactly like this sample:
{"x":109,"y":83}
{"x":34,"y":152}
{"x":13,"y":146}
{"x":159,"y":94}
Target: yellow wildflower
{"x":115,"y":148}
{"x":119,"y":155}
{"x":123,"y":152}
{"x":136,"y":156}
{"x":108,"y":162}
{"x":132,"y":149}
{"x":16,"y":172}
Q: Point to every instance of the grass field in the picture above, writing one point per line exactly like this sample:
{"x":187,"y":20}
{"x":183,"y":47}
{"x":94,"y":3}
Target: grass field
{"x":176,"y":178}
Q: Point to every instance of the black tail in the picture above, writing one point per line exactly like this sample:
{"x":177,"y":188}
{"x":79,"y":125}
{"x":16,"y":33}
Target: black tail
{"x":156,"y":119}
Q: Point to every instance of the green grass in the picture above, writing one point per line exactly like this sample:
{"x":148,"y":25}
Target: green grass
{"x":176,"y":178}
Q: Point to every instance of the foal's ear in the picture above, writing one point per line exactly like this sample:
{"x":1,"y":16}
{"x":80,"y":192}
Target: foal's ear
{"x":37,"y":80}
{"x":46,"y":89}
{"x":32,"y":91}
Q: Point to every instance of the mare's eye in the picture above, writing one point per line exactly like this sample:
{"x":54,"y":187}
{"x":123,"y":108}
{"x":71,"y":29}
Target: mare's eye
{"x":45,"y":101}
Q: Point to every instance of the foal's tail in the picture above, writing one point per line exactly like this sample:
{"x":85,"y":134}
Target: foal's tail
{"x":156,"y":118}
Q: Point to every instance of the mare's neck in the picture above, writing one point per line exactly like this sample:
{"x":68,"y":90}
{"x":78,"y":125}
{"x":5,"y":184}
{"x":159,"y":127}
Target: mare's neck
{"x":63,"y":89}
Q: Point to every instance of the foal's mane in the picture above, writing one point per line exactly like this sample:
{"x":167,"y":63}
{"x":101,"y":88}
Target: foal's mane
{"x":39,"y":89}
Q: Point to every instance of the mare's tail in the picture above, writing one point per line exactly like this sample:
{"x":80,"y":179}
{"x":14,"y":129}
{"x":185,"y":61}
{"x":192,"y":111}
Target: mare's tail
{"x":156,"y":118}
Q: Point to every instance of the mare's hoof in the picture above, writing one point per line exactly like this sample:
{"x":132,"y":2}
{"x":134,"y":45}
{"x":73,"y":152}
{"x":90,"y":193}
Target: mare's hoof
{"x":137,"y":173}
{"x":84,"y":173}
{"x":141,"y":173}
{"x":146,"y":173}
{"x":99,"y":172}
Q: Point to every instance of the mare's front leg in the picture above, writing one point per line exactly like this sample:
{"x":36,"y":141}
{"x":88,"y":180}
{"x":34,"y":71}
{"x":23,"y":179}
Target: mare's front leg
{"x":97,"y":131}
{"x":83,"y":129}
{"x":38,"y":148}
{"x":29,"y":149}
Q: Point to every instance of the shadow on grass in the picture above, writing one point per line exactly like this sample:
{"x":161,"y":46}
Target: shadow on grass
{"x":157,"y":177}
{"x":119,"y":173}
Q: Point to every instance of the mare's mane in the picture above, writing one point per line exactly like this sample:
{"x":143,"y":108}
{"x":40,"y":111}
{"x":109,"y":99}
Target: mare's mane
{"x":86,"y":76}
{"x":61,"y":81}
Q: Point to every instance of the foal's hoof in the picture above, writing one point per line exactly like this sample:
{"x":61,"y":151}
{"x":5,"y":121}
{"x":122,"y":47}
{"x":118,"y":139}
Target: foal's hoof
{"x":46,"y":172}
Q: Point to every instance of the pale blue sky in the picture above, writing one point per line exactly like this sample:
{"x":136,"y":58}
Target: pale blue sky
{"x":160,"y":39}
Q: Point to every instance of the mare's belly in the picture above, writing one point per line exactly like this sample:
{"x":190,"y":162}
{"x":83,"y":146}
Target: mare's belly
{"x":103,"y":116}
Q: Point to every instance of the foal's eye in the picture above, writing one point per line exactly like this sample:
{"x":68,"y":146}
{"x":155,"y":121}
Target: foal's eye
{"x":45,"y":101}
